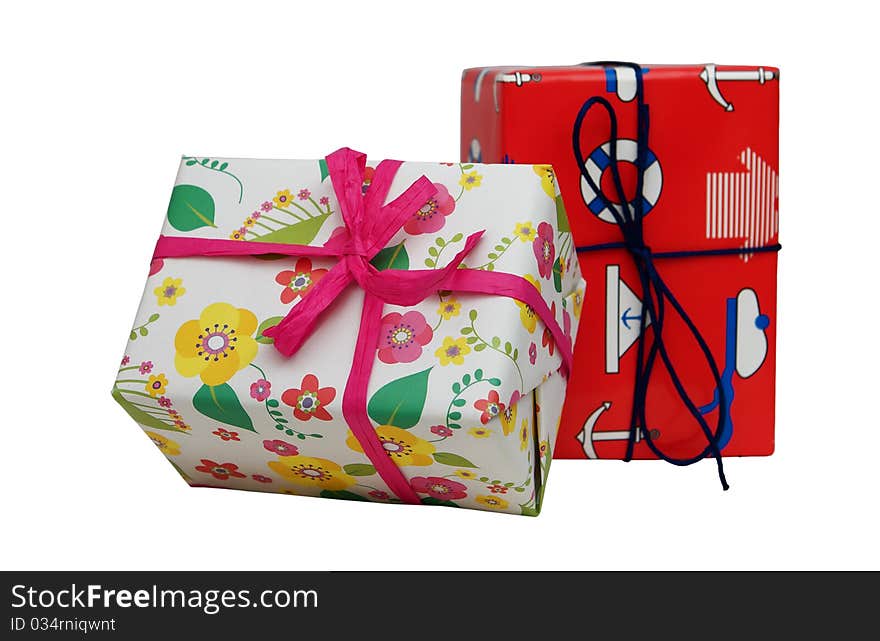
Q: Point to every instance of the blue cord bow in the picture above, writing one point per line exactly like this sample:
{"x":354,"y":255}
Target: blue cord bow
{"x":655,"y":293}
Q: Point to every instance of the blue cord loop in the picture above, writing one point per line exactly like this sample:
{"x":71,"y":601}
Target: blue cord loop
{"x":656,"y":295}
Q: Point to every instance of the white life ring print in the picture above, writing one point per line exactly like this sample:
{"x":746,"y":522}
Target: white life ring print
{"x":597,"y":167}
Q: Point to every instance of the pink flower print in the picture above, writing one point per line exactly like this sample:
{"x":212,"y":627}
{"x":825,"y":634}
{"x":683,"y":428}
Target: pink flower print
{"x":402,"y":337}
{"x":432,"y":215}
{"x":338,"y":238}
{"x":533,"y":353}
{"x":439,"y":488}
{"x":256,"y":215}
{"x":156,"y":266}
{"x":304,"y":194}
{"x":261,"y":389}
{"x":544,"y":250}
{"x":281,"y":448}
{"x":441,"y":430}
{"x":266,"y":206}
{"x":379,"y":494}
{"x":164,"y":401}
{"x":566,"y":324}
{"x":323,"y":200}
{"x":259,"y":478}
{"x":125,"y":361}
{"x":146,"y":367}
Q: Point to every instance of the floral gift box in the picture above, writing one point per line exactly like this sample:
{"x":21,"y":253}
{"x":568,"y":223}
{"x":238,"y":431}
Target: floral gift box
{"x":391,"y":332}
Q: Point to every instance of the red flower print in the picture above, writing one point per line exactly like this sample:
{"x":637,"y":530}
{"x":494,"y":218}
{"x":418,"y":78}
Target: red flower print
{"x":304,"y":194}
{"x":544,"y":250}
{"x":432,"y":215}
{"x":125,"y":361}
{"x":566,"y":324}
{"x":156,"y":266}
{"x":439,"y":488}
{"x":164,"y":401}
{"x":533,"y":353}
{"x":379,"y":494}
{"x":402,"y":336}
{"x":368,"y":178}
{"x":497,"y":489}
{"x":225,"y":435}
{"x":441,"y":430}
{"x":489,"y":406}
{"x":261,"y":479}
{"x":220,"y":471}
{"x":146,"y":367}
{"x":298,"y":281}
{"x":266,"y":206}
{"x":309,"y":400}
{"x":547,"y":338}
{"x":323,"y":200}
{"x":281,"y":448}
{"x":174,"y":414}
{"x":261,"y":389}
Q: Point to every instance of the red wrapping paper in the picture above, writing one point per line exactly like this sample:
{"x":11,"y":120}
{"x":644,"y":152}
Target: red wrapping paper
{"x":712,"y":182}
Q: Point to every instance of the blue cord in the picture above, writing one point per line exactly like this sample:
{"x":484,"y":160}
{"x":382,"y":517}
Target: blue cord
{"x":655,"y":293}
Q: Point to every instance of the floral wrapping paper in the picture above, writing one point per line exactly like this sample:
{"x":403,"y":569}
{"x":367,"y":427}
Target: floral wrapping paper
{"x":465,"y":393}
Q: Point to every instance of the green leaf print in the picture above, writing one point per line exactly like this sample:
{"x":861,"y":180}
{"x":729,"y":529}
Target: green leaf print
{"x":301,"y":233}
{"x":430,"y":500}
{"x":324,"y":170}
{"x":359,"y":469}
{"x":448,"y":458}
{"x":190,"y":208}
{"x":142,"y":417}
{"x":266,"y":324}
{"x":557,"y":274}
{"x":342,"y":494}
{"x":394,"y":257}
{"x":400,"y":403}
{"x":221,"y":404}
{"x":561,"y":217}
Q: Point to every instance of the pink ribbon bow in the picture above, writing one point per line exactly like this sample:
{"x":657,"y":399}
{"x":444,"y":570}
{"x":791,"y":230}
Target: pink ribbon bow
{"x":369,"y":225}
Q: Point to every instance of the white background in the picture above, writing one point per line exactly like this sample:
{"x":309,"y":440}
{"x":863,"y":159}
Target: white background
{"x":101,"y":99}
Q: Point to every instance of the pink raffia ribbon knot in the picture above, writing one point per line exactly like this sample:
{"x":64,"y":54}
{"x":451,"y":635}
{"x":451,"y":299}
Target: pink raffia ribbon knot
{"x":370,"y":224}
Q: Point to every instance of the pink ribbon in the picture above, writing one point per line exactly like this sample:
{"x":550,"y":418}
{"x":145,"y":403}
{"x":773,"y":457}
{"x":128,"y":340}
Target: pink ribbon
{"x":369,"y":225}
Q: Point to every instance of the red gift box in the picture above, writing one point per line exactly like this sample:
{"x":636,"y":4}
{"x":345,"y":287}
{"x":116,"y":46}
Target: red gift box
{"x":710,"y":182}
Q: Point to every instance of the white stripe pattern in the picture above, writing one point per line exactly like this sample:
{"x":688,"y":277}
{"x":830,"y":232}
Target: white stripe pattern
{"x":742,"y":204}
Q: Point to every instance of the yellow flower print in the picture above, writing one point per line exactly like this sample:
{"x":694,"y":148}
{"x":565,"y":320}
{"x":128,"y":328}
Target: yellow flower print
{"x":470,"y":179}
{"x":283,"y":198}
{"x":524,"y":435}
{"x":526,"y":313}
{"x":403,"y":447}
{"x":249,"y":222}
{"x":238,"y":234}
{"x":166,"y":445}
{"x":525,"y":232}
{"x":169,"y":291}
{"x":217,"y":345}
{"x":577,"y":303}
{"x":453,"y":351}
{"x":548,"y":179}
{"x":449,"y":308}
{"x":156,"y":385}
{"x":492,"y":502}
{"x":544,"y":448}
{"x":308,"y":471}
{"x":465,"y":474}
{"x":508,"y":418}
{"x":480,"y":432}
